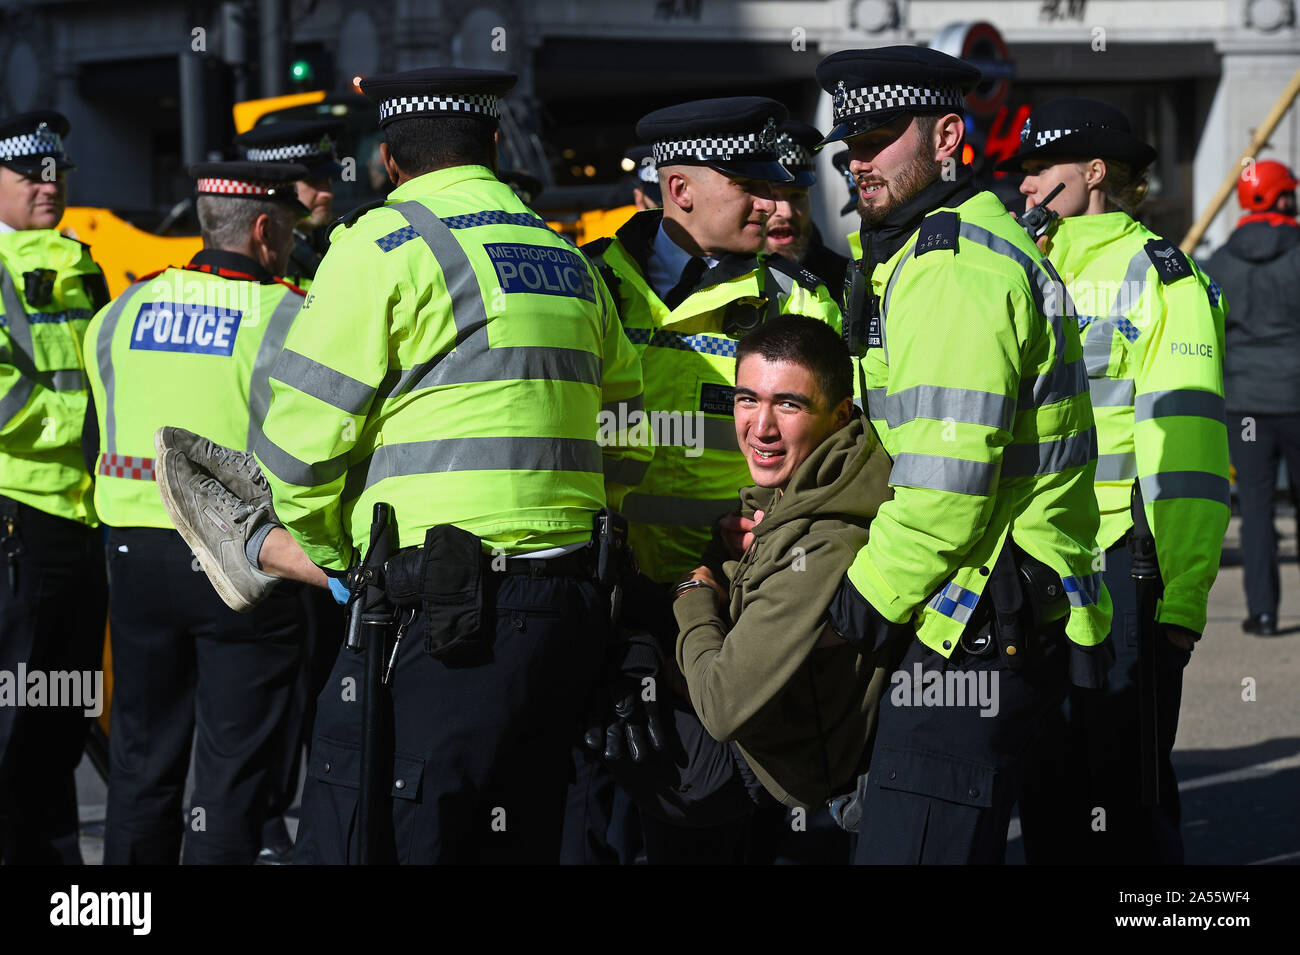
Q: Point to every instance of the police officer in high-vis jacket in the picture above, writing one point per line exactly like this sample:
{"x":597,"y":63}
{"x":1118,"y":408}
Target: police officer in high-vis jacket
{"x":979,"y":571}
{"x":313,"y":144}
{"x":52,"y":583}
{"x":1152,"y":326}
{"x":469,"y":382}
{"x":192,"y":347}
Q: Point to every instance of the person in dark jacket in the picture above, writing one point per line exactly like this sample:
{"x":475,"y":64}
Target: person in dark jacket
{"x":790,"y":229}
{"x":1258,"y":268}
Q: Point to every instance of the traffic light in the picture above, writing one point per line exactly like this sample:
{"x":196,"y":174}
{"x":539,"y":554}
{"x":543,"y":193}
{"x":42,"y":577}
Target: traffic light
{"x":301,"y":71}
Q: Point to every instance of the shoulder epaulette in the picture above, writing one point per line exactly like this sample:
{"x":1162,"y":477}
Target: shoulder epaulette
{"x":938,"y":231}
{"x":595,"y":253}
{"x":1171,"y":265}
{"x":347,"y":220}
{"x":796,"y":271}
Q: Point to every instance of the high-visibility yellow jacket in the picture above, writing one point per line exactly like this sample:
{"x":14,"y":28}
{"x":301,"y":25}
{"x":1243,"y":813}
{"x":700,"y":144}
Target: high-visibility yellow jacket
{"x":689,"y":365}
{"x":1152,"y":327}
{"x":976,"y":385}
{"x":187,"y":348}
{"x":42,"y":370}
{"x":456,"y":359}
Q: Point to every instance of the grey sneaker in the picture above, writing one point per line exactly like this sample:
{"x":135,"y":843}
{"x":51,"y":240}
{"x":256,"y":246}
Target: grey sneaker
{"x":217,"y":525}
{"x":237,"y":470}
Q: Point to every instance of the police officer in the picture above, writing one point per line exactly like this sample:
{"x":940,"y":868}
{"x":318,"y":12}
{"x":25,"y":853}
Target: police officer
{"x":975,"y":382}
{"x":1152,"y":326}
{"x":790,"y":229}
{"x":689,"y":280}
{"x":52,"y":595}
{"x":313,"y":144}
{"x":192,"y":347}
{"x":639,"y":160}
{"x":463,"y":384}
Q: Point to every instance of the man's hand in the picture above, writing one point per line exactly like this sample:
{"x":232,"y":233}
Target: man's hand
{"x":626,"y":718}
{"x":1181,"y":637}
{"x":703,"y":573}
{"x":737,"y":533}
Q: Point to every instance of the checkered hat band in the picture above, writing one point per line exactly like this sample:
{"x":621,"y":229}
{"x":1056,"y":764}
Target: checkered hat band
{"x":231,"y":187}
{"x":287,"y":153}
{"x":43,"y":142}
{"x":1044,"y":136}
{"x":793,"y":154}
{"x":744,"y":146}
{"x":485,"y":104}
{"x":875,"y":99}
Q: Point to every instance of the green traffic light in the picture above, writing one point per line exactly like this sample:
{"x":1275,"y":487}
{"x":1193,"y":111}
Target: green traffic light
{"x":300,"y":71}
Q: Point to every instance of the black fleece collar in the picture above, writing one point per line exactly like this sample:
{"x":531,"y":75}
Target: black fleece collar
{"x":888,"y":237}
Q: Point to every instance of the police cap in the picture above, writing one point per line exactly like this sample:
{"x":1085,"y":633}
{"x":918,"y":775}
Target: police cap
{"x":639,"y":160}
{"x":310,"y":143}
{"x":1075,"y":128}
{"x":735,"y":135}
{"x":29,"y":139}
{"x":870,"y":88}
{"x":438,"y":91}
{"x":271,"y":181}
{"x":797,"y":144}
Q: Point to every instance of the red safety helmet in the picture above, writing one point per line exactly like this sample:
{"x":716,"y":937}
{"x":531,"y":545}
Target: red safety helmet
{"x":1261,"y":183}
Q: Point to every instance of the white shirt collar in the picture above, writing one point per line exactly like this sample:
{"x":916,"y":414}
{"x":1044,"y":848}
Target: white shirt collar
{"x":6,"y":227}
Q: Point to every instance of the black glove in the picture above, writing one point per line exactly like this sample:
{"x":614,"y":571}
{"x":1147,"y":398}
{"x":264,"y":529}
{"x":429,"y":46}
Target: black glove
{"x":628,"y":720}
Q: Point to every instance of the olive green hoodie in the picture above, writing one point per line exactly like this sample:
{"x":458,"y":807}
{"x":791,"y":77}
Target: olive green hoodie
{"x":802,"y":716}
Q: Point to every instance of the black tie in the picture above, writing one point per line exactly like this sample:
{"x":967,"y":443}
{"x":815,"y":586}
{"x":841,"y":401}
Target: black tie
{"x":691,"y":276}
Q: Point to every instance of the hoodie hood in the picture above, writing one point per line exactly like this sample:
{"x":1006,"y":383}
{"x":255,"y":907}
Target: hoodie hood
{"x":1261,"y":242}
{"x":847,"y":476}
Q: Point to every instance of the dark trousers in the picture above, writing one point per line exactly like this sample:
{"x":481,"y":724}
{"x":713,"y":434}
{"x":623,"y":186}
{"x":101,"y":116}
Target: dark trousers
{"x":183,"y":661}
{"x":1081,"y":803}
{"x":943,"y":777}
{"x":1275,"y":437}
{"x":481,"y":749}
{"x":52,"y":621}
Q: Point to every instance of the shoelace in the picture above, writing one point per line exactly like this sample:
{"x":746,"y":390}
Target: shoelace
{"x":237,"y":510}
{"x":244,"y":463}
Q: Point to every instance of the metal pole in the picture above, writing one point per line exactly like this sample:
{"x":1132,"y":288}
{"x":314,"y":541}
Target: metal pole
{"x":271,"y":41}
{"x":193,"y":128}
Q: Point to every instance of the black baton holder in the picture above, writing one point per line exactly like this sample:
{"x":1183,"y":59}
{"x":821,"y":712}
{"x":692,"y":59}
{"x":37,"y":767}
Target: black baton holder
{"x":370,"y":617}
{"x":1146,"y":575}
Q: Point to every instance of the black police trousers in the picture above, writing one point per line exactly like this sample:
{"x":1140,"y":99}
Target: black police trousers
{"x":188,"y":669}
{"x":944,"y":775}
{"x":481,"y":748}
{"x":1273,"y":437}
{"x":51,"y":622}
{"x":1081,"y":803}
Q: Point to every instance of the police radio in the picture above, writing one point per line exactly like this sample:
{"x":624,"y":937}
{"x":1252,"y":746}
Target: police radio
{"x":861,"y":325}
{"x":1037,"y":220}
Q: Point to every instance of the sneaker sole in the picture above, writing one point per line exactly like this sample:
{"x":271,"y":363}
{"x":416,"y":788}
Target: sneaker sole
{"x":207,"y":560}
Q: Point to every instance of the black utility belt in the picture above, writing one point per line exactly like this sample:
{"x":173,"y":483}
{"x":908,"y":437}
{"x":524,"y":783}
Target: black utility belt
{"x":1023,"y":604}
{"x":407,"y":562}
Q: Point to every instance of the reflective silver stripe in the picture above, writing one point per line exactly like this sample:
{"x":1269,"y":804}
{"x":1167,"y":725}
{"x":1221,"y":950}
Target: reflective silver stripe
{"x":893,"y":280}
{"x":23,"y":354}
{"x":635,"y":403}
{"x":1179,"y":402}
{"x":104,"y":358}
{"x":268,"y":350}
{"x":15,"y":399}
{"x":1111,"y":392}
{"x":292,"y":471}
{"x":1117,"y":467}
{"x":936,"y":473}
{"x":1135,"y":277}
{"x":467,"y":309}
{"x":625,"y":470}
{"x":1049,"y":457}
{"x":954,"y":601}
{"x":940,"y":403}
{"x":675,"y":511}
{"x":1061,"y":382}
{"x":1185,"y":484}
{"x":876,"y":403}
{"x":473,"y":364}
{"x":1097,"y":343}
{"x":1045,"y":285}
{"x":497,"y":453}
{"x":322,"y":382}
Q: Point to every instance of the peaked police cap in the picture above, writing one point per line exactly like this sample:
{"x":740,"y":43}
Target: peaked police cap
{"x":735,"y":135}
{"x":29,"y":139}
{"x":310,"y":143}
{"x":438,"y":91}
{"x":871,"y":88}
{"x":274,"y":182}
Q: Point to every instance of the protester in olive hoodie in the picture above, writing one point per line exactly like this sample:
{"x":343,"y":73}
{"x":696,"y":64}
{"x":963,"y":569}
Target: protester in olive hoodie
{"x":760,"y":662}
